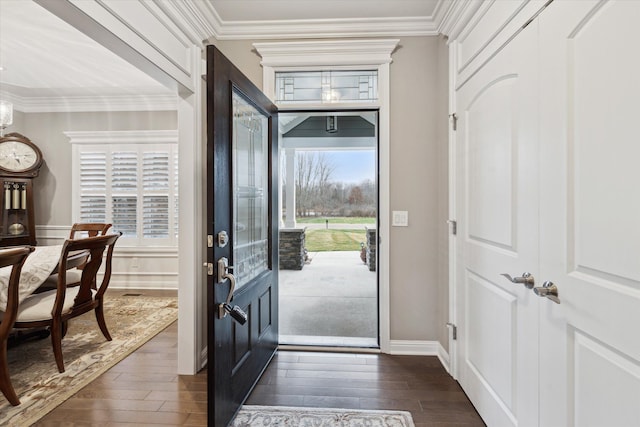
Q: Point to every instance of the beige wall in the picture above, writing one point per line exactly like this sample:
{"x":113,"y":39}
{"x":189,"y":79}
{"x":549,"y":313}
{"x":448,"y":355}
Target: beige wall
{"x":419,"y":254}
{"x":416,"y":93}
{"x":46,"y":131}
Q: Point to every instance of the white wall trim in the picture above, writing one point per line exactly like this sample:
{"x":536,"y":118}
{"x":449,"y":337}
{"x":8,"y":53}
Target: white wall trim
{"x":314,"y":55}
{"x":87,"y":103}
{"x":443,"y":356}
{"x":414,"y":347}
{"x":192,"y":297}
{"x":326,"y":53}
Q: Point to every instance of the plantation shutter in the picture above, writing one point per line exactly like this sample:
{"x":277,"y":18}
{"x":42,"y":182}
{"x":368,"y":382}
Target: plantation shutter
{"x":124,"y":187}
{"x":128,"y":179}
{"x":155,"y":178}
{"x":93,"y":185}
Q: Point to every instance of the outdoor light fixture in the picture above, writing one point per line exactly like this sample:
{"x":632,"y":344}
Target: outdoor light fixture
{"x":6,"y":115}
{"x":332,"y":124}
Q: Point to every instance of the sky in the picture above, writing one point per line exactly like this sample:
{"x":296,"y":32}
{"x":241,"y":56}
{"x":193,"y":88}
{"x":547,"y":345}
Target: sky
{"x":353,"y":166}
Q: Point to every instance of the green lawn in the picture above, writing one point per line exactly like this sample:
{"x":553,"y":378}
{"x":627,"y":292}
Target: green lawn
{"x":336,"y":220}
{"x":333,"y":240}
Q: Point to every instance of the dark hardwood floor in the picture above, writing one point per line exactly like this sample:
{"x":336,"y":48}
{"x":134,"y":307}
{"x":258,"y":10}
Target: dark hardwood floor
{"x":144,"y":389}
{"x":416,"y":384}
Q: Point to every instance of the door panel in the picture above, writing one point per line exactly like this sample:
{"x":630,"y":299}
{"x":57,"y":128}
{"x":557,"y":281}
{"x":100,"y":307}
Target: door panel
{"x":241,"y":201}
{"x":589,"y":230}
{"x":497,"y":151}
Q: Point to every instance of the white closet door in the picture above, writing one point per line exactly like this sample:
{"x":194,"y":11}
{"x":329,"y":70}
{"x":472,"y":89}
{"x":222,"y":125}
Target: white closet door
{"x":590,"y":213}
{"x":497,"y":188}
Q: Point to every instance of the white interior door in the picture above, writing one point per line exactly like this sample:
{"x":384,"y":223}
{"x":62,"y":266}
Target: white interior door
{"x":497,"y":202}
{"x":590,"y":213}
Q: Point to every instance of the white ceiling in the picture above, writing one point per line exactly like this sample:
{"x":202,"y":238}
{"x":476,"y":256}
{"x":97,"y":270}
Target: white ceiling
{"x":41,"y":55}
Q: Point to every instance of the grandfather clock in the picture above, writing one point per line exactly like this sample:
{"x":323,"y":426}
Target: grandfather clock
{"x":20,"y":162}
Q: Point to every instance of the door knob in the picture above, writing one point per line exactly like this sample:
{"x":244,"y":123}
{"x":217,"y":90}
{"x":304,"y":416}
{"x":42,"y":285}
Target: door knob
{"x":549,"y":290}
{"x":526,"y":279}
{"x":225,"y":308}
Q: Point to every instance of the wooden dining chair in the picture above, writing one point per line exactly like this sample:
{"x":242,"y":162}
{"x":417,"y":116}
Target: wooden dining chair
{"x":78,"y":230}
{"x":88,"y":229}
{"x":15,"y":259}
{"x":54,"y":308}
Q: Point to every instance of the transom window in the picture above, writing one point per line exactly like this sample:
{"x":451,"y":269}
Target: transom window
{"x":327,"y":86}
{"x":133,"y":185}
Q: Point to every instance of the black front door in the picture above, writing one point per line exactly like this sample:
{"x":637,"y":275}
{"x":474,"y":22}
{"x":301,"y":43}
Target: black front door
{"x":242,"y":220}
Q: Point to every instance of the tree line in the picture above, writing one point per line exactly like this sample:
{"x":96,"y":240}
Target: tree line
{"x":317,"y":194}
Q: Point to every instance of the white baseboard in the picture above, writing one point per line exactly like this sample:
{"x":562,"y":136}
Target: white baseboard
{"x":443,"y":356}
{"x":414,"y":348}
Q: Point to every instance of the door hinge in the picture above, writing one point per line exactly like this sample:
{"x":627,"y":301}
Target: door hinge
{"x":209,"y":241}
{"x":454,"y":226}
{"x":454,"y":330}
{"x":454,"y":121}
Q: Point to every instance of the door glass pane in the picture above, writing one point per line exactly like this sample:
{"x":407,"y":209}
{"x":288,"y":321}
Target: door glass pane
{"x":250,"y":190}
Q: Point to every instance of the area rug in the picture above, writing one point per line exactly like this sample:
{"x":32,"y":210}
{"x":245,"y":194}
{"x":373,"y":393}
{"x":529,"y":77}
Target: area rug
{"x":132,"y":320}
{"x":282,"y":416}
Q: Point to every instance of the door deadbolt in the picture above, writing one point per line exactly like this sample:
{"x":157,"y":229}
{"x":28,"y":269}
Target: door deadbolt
{"x":223,"y":239}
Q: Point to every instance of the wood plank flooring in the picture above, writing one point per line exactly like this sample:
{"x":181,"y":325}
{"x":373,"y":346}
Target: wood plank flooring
{"x":416,"y":384}
{"x":144,"y":389}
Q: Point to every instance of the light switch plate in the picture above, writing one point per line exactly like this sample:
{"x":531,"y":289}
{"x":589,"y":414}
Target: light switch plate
{"x":400,"y":219}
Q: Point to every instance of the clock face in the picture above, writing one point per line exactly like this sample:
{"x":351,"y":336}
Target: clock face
{"x":16,"y":156}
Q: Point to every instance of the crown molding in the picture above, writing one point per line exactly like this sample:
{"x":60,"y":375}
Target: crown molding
{"x":195,"y":18}
{"x":201,"y":18}
{"x":454,"y":18}
{"x":85,"y":103}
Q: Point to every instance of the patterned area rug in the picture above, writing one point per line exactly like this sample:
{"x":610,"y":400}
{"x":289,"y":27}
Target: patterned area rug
{"x":132,"y":321}
{"x":282,"y":416}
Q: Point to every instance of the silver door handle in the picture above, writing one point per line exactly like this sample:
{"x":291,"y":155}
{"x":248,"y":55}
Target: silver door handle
{"x":225,"y":307}
{"x":549,"y":290}
{"x":526,"y":279}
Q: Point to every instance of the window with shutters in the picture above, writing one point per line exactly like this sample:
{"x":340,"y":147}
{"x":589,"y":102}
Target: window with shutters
{"x":128,"y":179}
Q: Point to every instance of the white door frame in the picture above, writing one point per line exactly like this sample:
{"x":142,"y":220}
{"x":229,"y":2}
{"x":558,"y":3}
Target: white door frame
{"x":346,"y":55}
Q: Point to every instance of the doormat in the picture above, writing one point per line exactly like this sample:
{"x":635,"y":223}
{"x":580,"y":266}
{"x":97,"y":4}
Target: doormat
{"x":132,"y":321}
{"x":284,"y":416}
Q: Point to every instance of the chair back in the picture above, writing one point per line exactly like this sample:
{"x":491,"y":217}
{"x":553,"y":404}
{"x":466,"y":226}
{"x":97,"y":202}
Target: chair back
{"x":16,"y":259}
{"x":95,"y":248}
{"x":88,"y":229}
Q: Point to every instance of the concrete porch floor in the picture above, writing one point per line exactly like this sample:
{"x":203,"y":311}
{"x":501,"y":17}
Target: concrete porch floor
{"x":332,"y":301}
